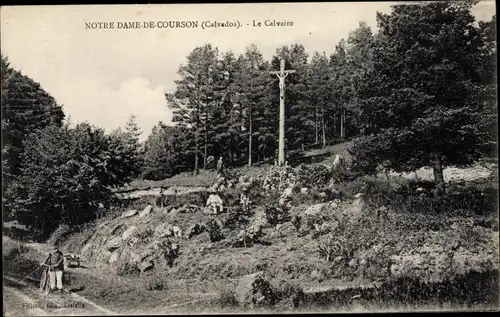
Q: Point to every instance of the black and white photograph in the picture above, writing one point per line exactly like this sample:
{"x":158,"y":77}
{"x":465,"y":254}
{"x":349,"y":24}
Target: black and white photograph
{"x":236,"y":158}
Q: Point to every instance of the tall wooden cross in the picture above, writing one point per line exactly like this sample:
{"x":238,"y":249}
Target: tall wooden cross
{"x":282,"y":73}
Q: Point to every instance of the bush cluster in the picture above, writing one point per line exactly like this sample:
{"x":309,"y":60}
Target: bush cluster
{"x":214,"y":231}
{"x":276,"y":214}
{"x":155,"y":282}
{"x":458,"y":199}
{"x":127,"y":269}
{"x":471,"y":288}
{"x":313,"y":175}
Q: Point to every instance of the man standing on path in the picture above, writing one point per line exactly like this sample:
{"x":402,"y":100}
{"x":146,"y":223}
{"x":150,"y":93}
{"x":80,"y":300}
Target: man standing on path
{"x":56,"y":268}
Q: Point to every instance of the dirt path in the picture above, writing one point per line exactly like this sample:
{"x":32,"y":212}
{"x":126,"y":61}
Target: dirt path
{"x":25,"y":299}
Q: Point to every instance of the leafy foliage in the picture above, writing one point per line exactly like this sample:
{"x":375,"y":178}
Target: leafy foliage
{"x":313,"y":175}
{"x":420,"y":101}
{"x":65,"y":174}
{"x":26,"y":108}
{"x":276,"y":214}
{"x":214,"y":231}
{"x":160,"y":157}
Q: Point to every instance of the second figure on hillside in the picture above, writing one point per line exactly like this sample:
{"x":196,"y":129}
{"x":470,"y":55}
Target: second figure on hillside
{"x":215,"y":202}
{"x":220,"y":166}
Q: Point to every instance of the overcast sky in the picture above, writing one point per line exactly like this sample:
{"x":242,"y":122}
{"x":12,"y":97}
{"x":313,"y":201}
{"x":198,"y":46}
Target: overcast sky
{"x":103,"y":76}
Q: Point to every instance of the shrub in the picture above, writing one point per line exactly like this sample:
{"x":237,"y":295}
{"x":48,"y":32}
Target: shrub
{"x":297,"y":221}
{"x":145,"y":235}
{"x":458,"y":199}
{"x":341,"y":173}
{"x":227,"y":298}
{"x":18,"y":257}
{"x":155,"y":282}
{"x":238,"y":217}
{"x":276,"y":214}
{"x":127,"y":269}
{"x":313,"y":175}
{"x":214,"y":231}
{"x":471,"y":288}
{"x":58,"y":235}
{"x":288,"y":293}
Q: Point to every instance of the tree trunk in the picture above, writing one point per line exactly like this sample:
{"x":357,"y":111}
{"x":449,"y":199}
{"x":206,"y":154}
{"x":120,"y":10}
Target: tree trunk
{"x":206,"y":141}
{"x":342,"y":124}
{"x":316,"y":124}
{"x":196,"y":171}
{"x":197,"y":126}
{"x":438,"y":174}
{"x":323,"y":126}
{"x":250,"y":135}
{"x":335,"y":115}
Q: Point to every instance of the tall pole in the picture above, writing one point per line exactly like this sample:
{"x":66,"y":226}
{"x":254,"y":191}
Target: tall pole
{"x":281,"y":146}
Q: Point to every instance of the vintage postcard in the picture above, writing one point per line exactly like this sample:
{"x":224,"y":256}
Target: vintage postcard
{"x":249,"y":158}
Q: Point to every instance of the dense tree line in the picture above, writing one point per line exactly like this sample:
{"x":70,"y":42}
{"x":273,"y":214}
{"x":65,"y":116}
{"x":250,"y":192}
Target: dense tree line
{"x":53,"y":173}
{"x":227,"y":105}
{"x":416,"y":93}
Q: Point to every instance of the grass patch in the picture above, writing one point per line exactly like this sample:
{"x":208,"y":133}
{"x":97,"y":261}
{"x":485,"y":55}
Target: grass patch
{"x":19,"y":258}
{"x":471,"y":289}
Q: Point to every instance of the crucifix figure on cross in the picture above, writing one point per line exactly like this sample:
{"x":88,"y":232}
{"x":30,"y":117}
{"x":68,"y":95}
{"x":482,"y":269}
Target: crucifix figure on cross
{"x":282,"y":73}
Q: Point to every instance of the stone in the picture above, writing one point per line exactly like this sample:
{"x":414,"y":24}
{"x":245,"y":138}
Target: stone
{"x":104,"y":256}
{"x":164,"y":230}
{"x":317,"y":227}
{"x":86,"y":248}
{"x":251,"y":288}
{"x":146,"y":211}
{"x":325,"y":227}
{"x":353,"y":263}
{"x":145,"y":266}
{"x":128,"y":233}
{"x":132,"y":241}
{"x":117,"y":228}
{"x":208,"y":210}
{"x":134,"y":257}
{"x":114,"y":257}
{"x":355,"y":210}
{"x":177,"y":232}
{"x":315,"y":275}
{"x":129,"y":213}
{"x":147,"y":253}
{"x":314,"y":209}
{"x":287,"y":192}
{"x":195,"y":230}
{"x":304,"y":229}
{"x":304,"y":190}
{"x":114,"y":243}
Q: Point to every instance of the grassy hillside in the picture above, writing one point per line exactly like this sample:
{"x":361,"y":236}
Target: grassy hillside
{"x":381,"y":235}
{"x":391,"y":232}
{"x":205,"y":178}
